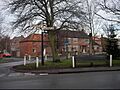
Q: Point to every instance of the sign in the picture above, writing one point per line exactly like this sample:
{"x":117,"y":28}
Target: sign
{"x":66,"y":42}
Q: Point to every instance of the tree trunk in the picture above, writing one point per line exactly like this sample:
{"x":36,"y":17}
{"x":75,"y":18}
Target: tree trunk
{"x":53,"y":44}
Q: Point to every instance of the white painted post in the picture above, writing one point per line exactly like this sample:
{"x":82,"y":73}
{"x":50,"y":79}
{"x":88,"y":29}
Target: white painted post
{"x":44,"y":52}
{"x":24,"y":60}
{"x":110,"y":60}
{"x":29,"y":57}
{"x":37,"y":62}
{"x":73,"y":61}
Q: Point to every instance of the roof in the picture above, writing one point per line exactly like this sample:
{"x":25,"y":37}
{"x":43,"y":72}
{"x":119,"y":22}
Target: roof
{"x":17,"y":39}
{"x":72,"y":34}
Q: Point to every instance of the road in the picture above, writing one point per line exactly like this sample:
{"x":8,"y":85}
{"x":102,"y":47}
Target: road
{"x":91,"y":80}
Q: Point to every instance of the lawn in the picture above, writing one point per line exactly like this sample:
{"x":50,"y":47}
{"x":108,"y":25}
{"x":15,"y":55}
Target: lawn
{"x":66,"y":64}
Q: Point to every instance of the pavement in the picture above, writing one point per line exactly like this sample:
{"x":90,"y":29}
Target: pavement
{"x":70,"y":70}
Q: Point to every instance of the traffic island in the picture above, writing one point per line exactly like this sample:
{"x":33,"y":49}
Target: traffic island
{"x":65,"y":66}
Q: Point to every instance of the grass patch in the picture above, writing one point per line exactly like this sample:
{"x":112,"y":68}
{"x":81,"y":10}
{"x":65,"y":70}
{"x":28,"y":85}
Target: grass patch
{"x":116,"y":62}
{"x":47,"y":65}
{"x":66,"y":64}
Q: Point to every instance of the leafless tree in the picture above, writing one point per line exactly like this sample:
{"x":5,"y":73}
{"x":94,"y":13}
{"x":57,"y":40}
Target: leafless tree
{"x":111,"y":7}
{"x":4,"y":43}
{"x":1,"y":21}
{"x":90,"y":19}
{"x":54,"y":13}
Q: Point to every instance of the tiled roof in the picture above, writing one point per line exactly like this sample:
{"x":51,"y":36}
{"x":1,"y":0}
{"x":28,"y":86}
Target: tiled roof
{"x":72,"y":34}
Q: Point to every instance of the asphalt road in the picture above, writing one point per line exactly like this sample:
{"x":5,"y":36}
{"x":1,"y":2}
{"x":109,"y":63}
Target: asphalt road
{"x":91,"y":80}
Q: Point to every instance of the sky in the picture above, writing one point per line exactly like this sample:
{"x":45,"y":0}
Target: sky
{"x":9,"y":18}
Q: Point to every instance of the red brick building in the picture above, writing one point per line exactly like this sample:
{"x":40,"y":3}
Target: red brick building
{"x":32,"y":45}
{"x":67,"y":42}
{"x":15,"y":46}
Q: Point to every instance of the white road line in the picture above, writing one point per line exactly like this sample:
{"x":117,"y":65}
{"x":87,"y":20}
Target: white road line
{"x":15,"y":74}
{"x":43,"y":74}
{"x":31,"y":74}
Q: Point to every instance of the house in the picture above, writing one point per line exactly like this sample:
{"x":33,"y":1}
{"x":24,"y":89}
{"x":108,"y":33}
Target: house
{"x":15,"y":46}
{"x":73,"y":41}
{"x":31,"y":45}
{"x":97,"y":44}
{"x":68,"y":42}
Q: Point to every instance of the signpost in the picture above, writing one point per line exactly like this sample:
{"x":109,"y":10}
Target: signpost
{"x":43,"y":27}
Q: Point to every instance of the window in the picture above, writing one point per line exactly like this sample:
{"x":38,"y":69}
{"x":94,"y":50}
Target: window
{"x":34,"y":50}
{"x":75,"y":39}
{"x":86,"y":40}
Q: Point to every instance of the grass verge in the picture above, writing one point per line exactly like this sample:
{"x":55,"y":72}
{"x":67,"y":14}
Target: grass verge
{"x":66,"y":64}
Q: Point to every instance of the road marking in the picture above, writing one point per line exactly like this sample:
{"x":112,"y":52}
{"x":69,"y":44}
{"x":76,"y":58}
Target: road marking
{"x":1,"y":75}
{"x":29,"y":74}
{"x":43,"y":74}
{"x":15,"y":74}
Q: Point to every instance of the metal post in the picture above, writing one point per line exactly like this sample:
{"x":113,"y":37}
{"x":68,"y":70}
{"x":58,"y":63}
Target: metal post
{"x":110,"y":60}
{"x":42,"y":49}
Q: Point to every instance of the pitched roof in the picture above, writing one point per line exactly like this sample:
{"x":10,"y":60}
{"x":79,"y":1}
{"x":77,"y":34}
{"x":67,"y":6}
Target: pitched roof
{"x":72,"y":34}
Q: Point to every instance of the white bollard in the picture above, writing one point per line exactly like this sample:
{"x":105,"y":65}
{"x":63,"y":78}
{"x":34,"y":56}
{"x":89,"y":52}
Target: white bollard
{"x":37,"y":62}
{"x":29,"y":57}
{"x":73,"y":61}
{"x":24,"y":60}
{"x":110,"y":60}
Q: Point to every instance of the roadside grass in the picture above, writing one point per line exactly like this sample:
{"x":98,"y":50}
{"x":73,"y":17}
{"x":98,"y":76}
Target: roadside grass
{"x":66,"y":64}
{"x":47,"y":65}
{"x":2,"y":60}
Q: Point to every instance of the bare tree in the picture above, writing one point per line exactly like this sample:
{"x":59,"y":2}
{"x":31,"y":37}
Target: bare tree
{"x":1,"y":21}
{"x":4,"y":43}
{"x":54,"y":13}
{"x":111,"y":7}
{"x":91,"y":21}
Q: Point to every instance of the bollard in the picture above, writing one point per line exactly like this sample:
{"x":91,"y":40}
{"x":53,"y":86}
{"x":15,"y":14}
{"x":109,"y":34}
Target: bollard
{"x":37,"y":62}
{"x":29,"y":57}
{"x":73,"y":61}
{"x":24,"y":60}
{"x":110,"y":60}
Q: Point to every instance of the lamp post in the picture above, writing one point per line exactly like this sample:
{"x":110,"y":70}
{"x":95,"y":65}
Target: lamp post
{"x":42,"y":49}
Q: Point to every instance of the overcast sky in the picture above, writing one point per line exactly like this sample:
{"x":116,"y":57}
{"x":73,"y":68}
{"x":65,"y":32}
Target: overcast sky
{"x":9,"y":17}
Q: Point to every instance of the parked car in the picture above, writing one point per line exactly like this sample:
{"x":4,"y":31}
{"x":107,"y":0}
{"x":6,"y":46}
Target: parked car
{"x":5,"y":55}
{"x":1,"y":56}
